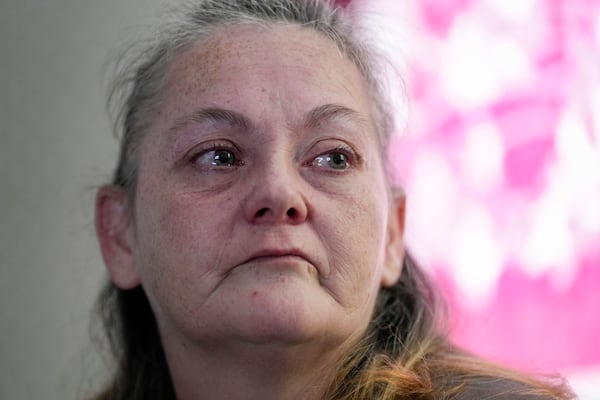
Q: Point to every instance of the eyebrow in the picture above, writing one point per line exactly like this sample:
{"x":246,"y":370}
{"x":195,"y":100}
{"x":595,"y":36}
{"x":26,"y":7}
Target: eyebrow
{"x":214,"y":115}
{"x":332,"y":112}
{"x":314,"y":119}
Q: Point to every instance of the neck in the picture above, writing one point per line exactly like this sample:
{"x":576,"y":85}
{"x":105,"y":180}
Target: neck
{"x":251,"y":371}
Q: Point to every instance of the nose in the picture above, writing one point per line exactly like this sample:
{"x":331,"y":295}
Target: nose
{"x":275,"y":197}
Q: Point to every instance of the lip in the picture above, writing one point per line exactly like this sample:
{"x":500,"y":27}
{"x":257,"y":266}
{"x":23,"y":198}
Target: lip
{"x":278,"y":253}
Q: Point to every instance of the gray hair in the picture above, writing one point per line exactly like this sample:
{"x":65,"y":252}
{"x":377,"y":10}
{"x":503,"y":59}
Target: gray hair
{"x":139,"y":72}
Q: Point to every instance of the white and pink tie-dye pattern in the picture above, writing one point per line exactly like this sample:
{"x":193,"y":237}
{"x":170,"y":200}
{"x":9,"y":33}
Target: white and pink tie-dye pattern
{"x":500,"y":157}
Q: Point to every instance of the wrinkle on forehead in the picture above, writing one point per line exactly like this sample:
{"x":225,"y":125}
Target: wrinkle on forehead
{"x":208,"y":57}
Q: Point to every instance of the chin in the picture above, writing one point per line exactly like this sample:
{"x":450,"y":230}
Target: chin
{"x":276,"y":309}
{"x":285,"y":314}
{"x":287,"y":311}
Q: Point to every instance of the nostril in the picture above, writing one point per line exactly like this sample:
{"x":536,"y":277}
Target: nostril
{"x":290,"y":213}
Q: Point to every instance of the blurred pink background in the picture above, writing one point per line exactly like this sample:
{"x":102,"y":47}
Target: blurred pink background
{"x":499,"y":152}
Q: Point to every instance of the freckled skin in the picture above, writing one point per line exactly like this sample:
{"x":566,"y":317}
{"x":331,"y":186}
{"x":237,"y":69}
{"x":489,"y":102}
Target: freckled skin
{"x":194,"y":229}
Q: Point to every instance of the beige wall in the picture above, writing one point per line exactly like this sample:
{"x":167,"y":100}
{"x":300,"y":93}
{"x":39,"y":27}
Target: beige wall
{"x":55,"y":146}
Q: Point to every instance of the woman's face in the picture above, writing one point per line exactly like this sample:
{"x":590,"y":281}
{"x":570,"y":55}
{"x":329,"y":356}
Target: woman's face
{"x":262,"y":211}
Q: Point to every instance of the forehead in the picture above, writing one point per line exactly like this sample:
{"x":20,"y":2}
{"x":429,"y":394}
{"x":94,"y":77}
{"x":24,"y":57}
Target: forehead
{"x":256,"y":44}
{"x":285,"y":64}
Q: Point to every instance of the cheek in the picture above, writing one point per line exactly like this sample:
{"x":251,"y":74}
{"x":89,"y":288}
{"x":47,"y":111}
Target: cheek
{"x":355,"y":247}
{"x":179,"y":242}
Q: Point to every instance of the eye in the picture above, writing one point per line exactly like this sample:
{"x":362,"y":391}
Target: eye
{"x":335,"y":160}
{"x":216,"y":157}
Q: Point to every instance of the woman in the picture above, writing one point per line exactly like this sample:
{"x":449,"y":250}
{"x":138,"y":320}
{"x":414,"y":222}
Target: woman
{"x":253,"y":241}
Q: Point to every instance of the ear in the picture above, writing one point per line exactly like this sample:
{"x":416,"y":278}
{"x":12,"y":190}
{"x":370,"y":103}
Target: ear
{"x":115,"y":234}
{"x":394,"y":250}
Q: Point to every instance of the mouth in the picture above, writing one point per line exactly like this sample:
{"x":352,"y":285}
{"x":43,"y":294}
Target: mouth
{"x":278,"y":255}
{"x":282,"y":259}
